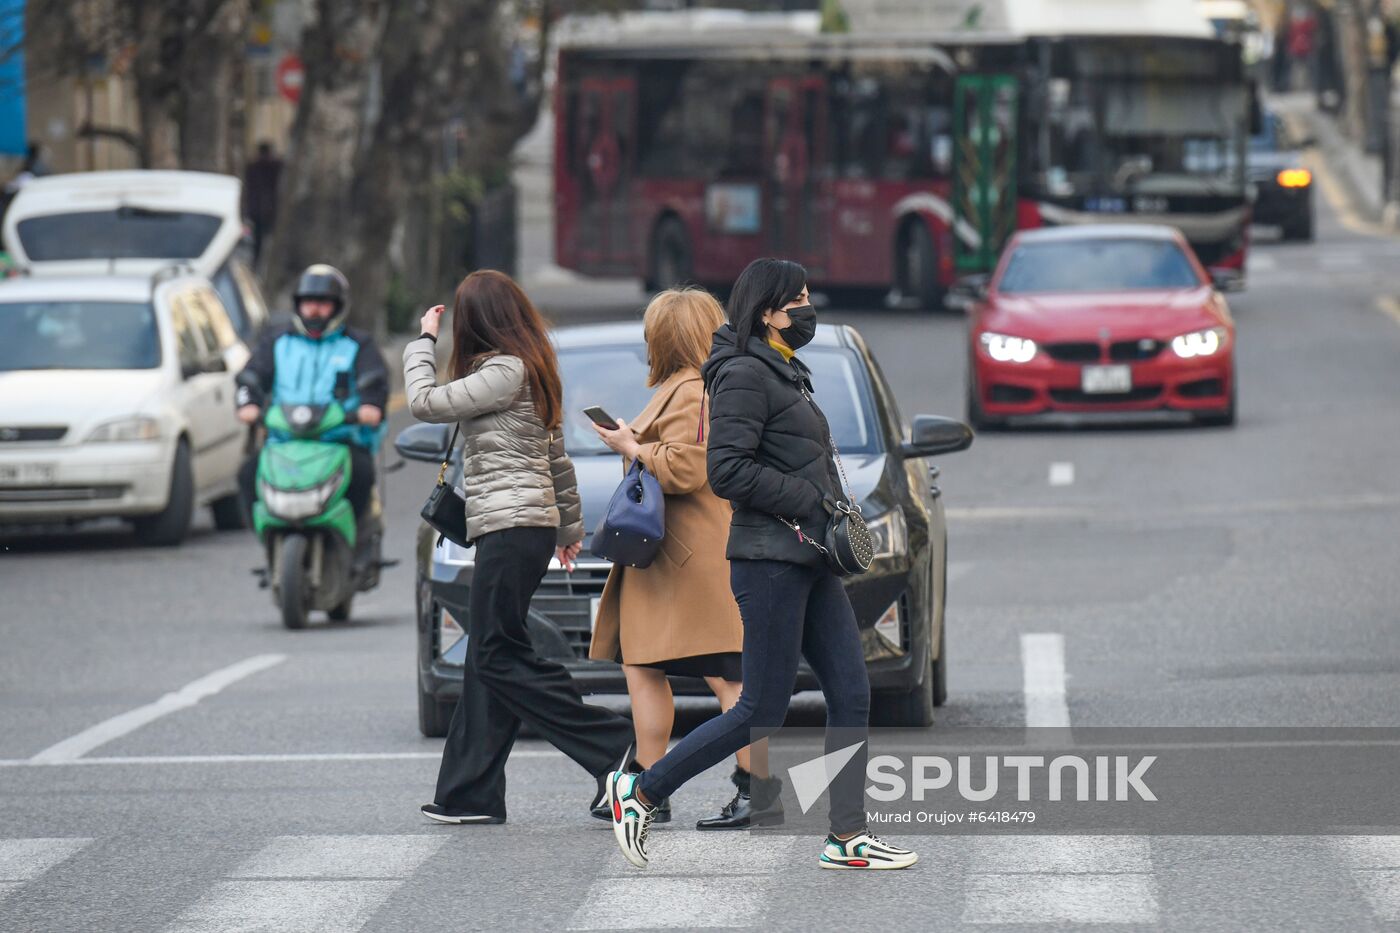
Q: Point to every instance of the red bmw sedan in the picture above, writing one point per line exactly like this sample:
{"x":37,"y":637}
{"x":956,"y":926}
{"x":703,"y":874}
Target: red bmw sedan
{"x":1099,"y":318}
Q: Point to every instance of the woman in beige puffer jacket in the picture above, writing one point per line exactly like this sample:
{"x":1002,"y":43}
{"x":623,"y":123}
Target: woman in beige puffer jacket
{"x":522,"y":509}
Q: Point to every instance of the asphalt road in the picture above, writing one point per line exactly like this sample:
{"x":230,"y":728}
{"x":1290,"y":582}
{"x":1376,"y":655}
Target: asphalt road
{"x":1186,"y":576}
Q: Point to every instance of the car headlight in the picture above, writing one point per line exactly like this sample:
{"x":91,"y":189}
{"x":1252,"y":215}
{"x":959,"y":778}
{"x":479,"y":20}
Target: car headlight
{"x":1199,"y":342}
{"x":888,"y":534}
{"x":300,"y":503}
{"x":1007,"y":349}
{"x":126,"y":429}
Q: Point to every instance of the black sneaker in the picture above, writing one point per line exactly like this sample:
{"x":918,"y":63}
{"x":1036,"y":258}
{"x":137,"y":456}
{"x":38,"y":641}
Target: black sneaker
{"x":434,"y":812}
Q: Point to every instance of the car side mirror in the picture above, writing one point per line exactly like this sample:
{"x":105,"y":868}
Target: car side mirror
{"x":1227,"y":280}
{"x":968,"y":290}
{"x":190,"y":368}
{"x":933,"y":435}
{"x":215,"y":364}
{"x":426,"y":442}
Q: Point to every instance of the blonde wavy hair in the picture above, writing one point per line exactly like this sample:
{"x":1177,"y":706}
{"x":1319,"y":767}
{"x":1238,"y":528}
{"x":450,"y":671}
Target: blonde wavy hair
{"x":678,"y":325}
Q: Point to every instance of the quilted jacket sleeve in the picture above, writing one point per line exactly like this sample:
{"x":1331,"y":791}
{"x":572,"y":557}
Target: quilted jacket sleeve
{"x":493,"y":386}
{"x":738,"y":412}
{"x":678,"y":459}
{"x":566,"y":496}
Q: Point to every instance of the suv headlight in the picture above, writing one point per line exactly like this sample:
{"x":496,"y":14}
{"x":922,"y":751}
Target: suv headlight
{"x":301,"y":503}
{"x":1199,"y":342}
{"x":138,"y":428}
{"x":888,"y":535}
{"x":1007,"y":349}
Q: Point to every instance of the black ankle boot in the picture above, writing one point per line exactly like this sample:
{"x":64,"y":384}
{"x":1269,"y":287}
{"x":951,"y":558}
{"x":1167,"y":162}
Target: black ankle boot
{"x":757,"y":803}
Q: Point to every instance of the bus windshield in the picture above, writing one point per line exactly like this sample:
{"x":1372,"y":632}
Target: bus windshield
{"x":1164,"y":124}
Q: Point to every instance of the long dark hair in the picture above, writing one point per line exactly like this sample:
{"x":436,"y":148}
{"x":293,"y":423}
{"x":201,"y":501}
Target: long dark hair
{"x":491,"y":314}
{"x":766,"y":285}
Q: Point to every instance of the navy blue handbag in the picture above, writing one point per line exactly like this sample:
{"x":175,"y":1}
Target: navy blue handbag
{"x":630,"y":533}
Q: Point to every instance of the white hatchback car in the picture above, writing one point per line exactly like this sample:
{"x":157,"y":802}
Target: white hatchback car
{"x":116,"y":399}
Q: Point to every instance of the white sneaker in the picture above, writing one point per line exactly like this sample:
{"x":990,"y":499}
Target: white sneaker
{"x":865,"y":851}
{"x":631,"y":818}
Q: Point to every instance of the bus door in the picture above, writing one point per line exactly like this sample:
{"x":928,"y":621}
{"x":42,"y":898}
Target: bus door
{"x":984,"y":169}
{"x":797,"y":203}
{"x":606,"y":151}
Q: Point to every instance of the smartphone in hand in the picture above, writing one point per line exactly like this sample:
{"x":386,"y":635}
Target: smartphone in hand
{"x":601,"y":418}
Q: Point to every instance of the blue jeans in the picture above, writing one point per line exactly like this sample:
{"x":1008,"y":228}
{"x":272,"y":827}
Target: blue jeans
{"x":787,"y":609}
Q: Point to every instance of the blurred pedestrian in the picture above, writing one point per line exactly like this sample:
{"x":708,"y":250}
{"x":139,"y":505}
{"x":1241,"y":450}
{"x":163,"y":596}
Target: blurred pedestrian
{"x":770,"y":455}
{"x":523,"y":509}
{"x":678,"y":616}
{"x":260,"y":182}
{"x":1302,"y":30}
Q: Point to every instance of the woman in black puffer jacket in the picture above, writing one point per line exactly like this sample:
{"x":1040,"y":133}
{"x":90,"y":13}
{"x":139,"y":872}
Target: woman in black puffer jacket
{"x":770,"y":455}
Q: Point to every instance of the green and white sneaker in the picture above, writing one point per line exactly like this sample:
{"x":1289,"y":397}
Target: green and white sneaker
{"x":631,"y":818}
{"x":864,"y":851}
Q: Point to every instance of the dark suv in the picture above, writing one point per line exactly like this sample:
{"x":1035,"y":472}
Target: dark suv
{"x":899,"y":603}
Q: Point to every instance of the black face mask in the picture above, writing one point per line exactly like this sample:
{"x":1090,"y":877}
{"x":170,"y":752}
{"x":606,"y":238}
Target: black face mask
{"x":802,"y":329}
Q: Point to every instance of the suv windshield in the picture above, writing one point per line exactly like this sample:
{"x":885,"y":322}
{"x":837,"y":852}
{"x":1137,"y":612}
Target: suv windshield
{"x":78,"y":335}
{"x":1097,"y":266}
{"x":124,"y":233}
{"x":615,"y":378}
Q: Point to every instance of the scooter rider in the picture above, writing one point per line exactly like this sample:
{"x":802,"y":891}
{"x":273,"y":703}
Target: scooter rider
{"x":315,"y":360}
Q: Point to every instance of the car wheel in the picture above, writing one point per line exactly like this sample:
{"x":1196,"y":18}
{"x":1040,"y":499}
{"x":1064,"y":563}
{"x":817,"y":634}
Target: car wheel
{"x":292,"y":584}
{"x":918,"y":268}
{"x":228,"y":513}
{"x":940,"y":663}
{"x":904,"y":707}
{"x":434,"y":716}
{"x":171,"y":525}
{"x":670,"y":256}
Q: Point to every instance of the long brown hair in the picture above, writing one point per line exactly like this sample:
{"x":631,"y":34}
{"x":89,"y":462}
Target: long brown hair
{"x":491,"y":315}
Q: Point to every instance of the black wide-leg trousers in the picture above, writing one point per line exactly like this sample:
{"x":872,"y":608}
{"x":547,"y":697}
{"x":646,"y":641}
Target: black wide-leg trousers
{"x":506,"y":682}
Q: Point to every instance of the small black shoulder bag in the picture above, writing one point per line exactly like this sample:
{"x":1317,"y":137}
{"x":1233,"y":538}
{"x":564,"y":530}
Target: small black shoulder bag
{"x":846,"y":545}
{"x":446,"y":510}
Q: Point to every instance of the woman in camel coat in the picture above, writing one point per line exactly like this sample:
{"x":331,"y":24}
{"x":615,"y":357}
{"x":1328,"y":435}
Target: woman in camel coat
{"x":677,"y":616}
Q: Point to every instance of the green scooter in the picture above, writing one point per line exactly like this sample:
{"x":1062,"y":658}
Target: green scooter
{"x":318,"y":556}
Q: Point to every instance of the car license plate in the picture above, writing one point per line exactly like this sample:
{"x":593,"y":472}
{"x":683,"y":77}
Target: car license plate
{"x":593,"y":613}
{"x":1099,"y":380}
{"x":27,"y":474}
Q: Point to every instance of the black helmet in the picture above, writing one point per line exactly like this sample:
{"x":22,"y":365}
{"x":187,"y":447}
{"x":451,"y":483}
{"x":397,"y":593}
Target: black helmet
{"x":323,"y":281}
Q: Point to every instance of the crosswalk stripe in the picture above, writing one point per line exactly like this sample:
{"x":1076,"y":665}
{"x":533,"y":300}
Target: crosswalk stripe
{"x":304,"y":883}
{"x":678,"y":889}
{"x":1060,"y":879}
{"x":1375,"y":866}
{"x":23,"y":860}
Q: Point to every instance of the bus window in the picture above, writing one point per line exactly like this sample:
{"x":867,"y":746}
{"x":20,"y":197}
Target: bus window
{"x":892,"y":124}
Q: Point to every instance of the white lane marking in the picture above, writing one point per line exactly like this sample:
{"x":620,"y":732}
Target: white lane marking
{"x":379,"y":857}
{"x":1054,"y":898}
{"x":1258,"y":262}
{"x":77,"y":746}
{"x":276,"y":906}
{"x":669,"y":902}
{"x":1043,"y":680}
{"x":682,"y":878}
{"x":1375,"y":866}
{"x":256,"y":759}
{"x":1062,"y":474}
{"x":1070,"y":854}
{"x":1339,"y":261}
{"x":26,"y":859}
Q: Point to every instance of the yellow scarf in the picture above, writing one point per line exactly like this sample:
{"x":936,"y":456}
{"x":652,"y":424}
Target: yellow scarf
{"x":787,"y":353}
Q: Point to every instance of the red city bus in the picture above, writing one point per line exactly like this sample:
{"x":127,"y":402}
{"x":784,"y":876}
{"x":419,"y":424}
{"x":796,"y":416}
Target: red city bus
{"x":889,"y":164}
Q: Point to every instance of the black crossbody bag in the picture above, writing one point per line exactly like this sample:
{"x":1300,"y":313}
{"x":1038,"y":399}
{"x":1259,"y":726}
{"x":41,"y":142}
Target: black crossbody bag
{"x":446,"y":510}
{"x":846,"y":544}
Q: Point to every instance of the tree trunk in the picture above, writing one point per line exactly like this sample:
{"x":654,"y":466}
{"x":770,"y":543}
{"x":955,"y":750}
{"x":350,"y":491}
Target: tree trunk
{"x":211,"y":90}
